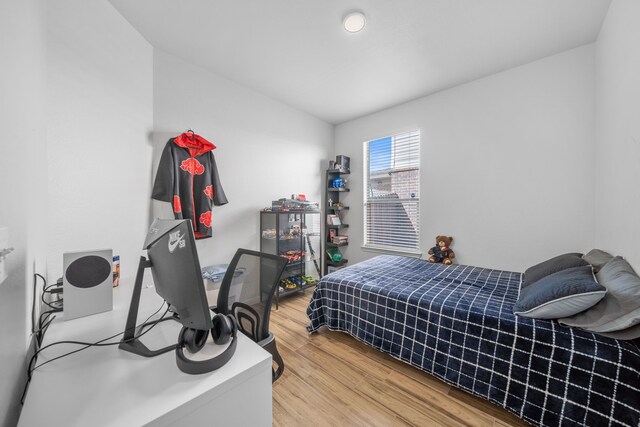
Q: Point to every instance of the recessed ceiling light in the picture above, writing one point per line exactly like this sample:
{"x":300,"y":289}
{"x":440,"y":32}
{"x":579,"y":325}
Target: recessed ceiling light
{"x":354,"y":22}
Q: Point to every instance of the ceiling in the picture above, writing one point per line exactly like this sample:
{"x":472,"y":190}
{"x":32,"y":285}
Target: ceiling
{"x":297,"y":51}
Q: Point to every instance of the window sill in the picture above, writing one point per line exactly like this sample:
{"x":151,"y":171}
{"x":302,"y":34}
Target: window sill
{"x":406,"y":252}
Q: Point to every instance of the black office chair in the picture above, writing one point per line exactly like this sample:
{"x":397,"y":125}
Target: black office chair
{"x":247,"y":291}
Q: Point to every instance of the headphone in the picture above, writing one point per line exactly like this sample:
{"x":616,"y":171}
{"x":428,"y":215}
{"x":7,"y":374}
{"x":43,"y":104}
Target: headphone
{"x":224,"y":329}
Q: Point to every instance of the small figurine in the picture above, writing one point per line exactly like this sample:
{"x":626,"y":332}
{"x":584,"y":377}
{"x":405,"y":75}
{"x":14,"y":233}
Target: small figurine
{"x":338,"y":183}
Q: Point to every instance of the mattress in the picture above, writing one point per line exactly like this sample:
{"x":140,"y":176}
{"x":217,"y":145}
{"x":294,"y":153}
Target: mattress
{"x":457,"y":323}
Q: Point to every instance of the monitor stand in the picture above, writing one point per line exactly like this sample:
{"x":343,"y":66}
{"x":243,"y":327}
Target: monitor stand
{"x":128,"y":341}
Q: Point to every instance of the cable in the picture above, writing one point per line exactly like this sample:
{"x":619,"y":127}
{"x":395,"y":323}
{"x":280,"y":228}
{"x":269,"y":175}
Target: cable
{"x":46,"y":290}
{"x":42,"y":331}
{"x":47,"y":303}
{"x":43,"y":328}
{"x":86,"y":345}
{"x":45,"y":313}
{"x":33,"y":303}
{"x":55,"y":285}
{"x":43,"y":321}
{"x":95,"y":344}
{"x":39,"y":334}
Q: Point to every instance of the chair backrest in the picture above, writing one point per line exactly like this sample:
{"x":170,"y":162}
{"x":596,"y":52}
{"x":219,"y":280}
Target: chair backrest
{"x":248,"y":288}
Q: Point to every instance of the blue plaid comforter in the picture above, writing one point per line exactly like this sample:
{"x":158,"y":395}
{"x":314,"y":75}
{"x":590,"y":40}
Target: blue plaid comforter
{"x":457,"y":323}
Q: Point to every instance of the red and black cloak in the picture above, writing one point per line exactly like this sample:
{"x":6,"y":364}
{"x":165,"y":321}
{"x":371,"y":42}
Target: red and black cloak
{"x":188,"y":178}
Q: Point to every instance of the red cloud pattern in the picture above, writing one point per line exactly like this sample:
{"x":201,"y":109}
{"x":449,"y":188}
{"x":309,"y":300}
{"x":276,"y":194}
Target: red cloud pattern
{"x":177,"y":207}
{"x":205,"y":219}
{"x":208,"y":190}
{"x":193,"y":166}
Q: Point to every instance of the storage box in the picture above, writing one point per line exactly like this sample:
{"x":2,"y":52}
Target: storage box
{"x":213,"y":275}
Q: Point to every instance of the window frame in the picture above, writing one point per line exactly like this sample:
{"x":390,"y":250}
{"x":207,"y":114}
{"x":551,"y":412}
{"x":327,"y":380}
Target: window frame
{"x":367,"y":202}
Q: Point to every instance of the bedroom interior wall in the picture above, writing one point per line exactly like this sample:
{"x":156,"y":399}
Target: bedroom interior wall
{"x":22,"y":183}
{"x":617,"y":199}
{"x":100,"y":101}
{"x":265,"y":149}
{"x":506,"y":163}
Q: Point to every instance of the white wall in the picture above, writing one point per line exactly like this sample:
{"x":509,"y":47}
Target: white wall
{"x":617,"y":201}
{"x":506,"y":163}
{"x":266,"y":150}
{"x":100,"y":101}
{"x":22,"y":185}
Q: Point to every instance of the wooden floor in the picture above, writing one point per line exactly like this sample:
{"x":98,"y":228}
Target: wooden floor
{"x":331,"y":379}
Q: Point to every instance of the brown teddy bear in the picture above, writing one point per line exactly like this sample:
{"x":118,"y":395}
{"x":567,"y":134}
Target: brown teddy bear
{"x":441,"y":252}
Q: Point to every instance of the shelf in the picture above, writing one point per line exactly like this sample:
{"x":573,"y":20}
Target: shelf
{"x":332,"y":195}
{"x":339,"y":171}
{"x":292,"y":290}
{"x":294,"y":264}
{"x":291,"y":239}
{"x":291,"y":211}
{"x":287,"y":291}
{"x":298,"y":287}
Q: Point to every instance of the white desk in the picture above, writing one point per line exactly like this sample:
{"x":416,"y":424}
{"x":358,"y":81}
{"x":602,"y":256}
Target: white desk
{"x":106,"y":386}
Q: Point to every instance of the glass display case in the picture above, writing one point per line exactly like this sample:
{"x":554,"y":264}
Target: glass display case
{"x":294,"y":235}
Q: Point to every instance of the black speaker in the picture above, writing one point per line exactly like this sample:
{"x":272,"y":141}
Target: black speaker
{"x":87,"y":283}
{"x":343,"y":162}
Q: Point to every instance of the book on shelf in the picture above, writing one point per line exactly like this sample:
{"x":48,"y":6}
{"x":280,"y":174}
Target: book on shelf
{"x":339,"y":239}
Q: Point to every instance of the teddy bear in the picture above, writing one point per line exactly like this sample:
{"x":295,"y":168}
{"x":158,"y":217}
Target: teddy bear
{"x":441,"y":252}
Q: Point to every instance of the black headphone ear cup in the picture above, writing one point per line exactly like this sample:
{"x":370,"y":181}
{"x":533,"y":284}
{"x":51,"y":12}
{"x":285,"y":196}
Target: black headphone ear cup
{"x":222,"y":329}
{"x":222,"y":325}
{"x":193,"y":339}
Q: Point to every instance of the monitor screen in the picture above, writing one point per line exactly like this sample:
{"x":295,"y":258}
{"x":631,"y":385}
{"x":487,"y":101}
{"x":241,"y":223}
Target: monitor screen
{"x":175,"y":268}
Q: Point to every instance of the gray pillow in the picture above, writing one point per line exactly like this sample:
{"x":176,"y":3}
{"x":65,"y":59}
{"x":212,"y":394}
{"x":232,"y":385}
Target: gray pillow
{"x":568,"y":291}
{"x":620,"y":308}
{"x":597,"y":258}
{"x":553,"y":265}
{"x":626,"y":334}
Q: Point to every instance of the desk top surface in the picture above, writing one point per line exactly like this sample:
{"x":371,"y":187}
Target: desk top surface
{"x":109,"y":386}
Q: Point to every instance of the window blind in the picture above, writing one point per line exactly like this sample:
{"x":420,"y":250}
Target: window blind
{"x":392,"y":192}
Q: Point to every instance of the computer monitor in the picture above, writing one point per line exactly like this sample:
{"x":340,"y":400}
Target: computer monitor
{"x":176,"y":272}
{"x":173,"y":260}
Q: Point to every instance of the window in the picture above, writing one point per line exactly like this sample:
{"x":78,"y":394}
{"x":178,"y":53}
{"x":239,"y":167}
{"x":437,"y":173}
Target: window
{"x":392,"y":192}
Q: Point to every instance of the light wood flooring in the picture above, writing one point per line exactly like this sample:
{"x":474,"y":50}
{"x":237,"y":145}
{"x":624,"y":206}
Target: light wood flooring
{"x":331,"y":379}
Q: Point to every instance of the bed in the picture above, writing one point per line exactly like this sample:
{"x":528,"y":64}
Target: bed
{"x":457,"y":323}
